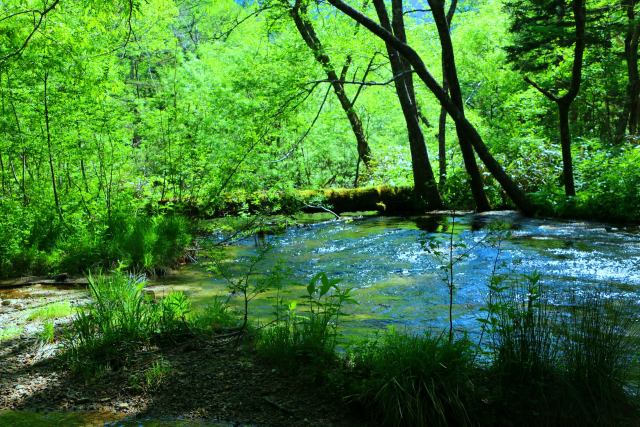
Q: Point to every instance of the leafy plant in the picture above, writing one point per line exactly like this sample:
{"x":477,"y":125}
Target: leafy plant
{"x":47,"y":335}
{"x":311,"y":335}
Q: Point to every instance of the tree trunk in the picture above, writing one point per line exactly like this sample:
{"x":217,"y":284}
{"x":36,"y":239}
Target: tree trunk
{"x":565,"y":143}
{"x":442,"y":120}
{"x":308,"y":33}
{"x":425,"y":187}
{"x":508,"y":185}
{"x":442,"y":144}
{"x":49,"y":151}
{"x":451,"y":73}
{"x":630,"y":115}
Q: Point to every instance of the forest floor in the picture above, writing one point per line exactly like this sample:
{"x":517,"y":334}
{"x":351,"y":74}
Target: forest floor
{"x":209,"y":382}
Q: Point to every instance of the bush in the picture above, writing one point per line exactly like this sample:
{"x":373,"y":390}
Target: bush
{"x":149,"y":244}
{"x":415,"y":380}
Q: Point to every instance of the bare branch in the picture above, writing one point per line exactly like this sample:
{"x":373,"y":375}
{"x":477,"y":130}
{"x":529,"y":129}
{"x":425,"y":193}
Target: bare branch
{"x":542,"y":90}
{"x":302,"y":138}
{"x":37,"y":21}
{"x":362,"y":83}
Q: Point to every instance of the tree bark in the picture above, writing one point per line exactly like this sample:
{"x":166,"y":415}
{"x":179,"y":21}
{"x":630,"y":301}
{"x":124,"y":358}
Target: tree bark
{"x":425,"y":187}
{"x":307,"y":31}
{"x":451,"y":73}
{"x":508,"y":185}
{"x":442,"y":120}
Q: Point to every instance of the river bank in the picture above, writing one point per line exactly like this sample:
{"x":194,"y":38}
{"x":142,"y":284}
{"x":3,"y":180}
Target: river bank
{"x":217,"y":383}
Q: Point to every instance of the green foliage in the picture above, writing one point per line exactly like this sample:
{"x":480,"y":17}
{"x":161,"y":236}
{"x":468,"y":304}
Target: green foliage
{"x":572,"y":367}
{"x":415,"y":380}
{"x":10,"y":332}
{"x":153,"y":377}
{"x":601,"y":352}
{"x":215,"y":316}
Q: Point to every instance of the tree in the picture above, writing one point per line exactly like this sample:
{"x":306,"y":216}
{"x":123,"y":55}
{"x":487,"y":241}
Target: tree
{"x":451,"y":76}
{"x":442,"y":119}
{"x":465,"y":127}
{"x":631,"y":111}
{"x":540,"y":27}
{"x":303,"y":23}
{"x":425,"y":187}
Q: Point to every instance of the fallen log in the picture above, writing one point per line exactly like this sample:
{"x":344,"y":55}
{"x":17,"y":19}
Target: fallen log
{"x":61,"y":280}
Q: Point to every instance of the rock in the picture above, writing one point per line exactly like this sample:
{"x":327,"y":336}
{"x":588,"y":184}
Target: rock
{"x":6,"y":302}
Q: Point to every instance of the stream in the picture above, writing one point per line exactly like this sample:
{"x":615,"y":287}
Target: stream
{"x":399,"y":284}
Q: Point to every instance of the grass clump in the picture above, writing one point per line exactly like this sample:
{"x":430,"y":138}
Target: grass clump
{"x":217,"y":315}
{"x":414,"y":380}
{"x":600,"y":352}
{"x":569,"y":368}
{"x":52,"y":311}
{"x":121,"y":319}
{"x":10,"y":332}
{"x":48,"y":333}
{"x":153,"y":377}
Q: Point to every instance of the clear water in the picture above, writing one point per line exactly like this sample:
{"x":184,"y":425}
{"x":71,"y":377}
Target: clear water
{"x":399,"y":284}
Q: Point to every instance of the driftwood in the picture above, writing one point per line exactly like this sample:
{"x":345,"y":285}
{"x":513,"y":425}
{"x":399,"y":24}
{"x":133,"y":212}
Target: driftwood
{"x":60,"y":280}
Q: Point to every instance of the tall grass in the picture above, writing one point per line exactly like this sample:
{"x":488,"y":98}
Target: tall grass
{"x":120,"y":319}
{"x":600,"y":349}
{"x":415,"y":380}
{"x":307,"y":338}
{"x":553,"y":367}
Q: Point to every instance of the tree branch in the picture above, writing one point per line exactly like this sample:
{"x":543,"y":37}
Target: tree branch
{"x":542,"y":90}
{"x":36,"y":26}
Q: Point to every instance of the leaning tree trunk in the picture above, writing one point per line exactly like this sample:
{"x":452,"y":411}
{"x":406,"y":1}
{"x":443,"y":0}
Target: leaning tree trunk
{"x":470,"y":132}
{"x":425,"y":187}
{"x":310,"y":37}
{"x":451,"y":74}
